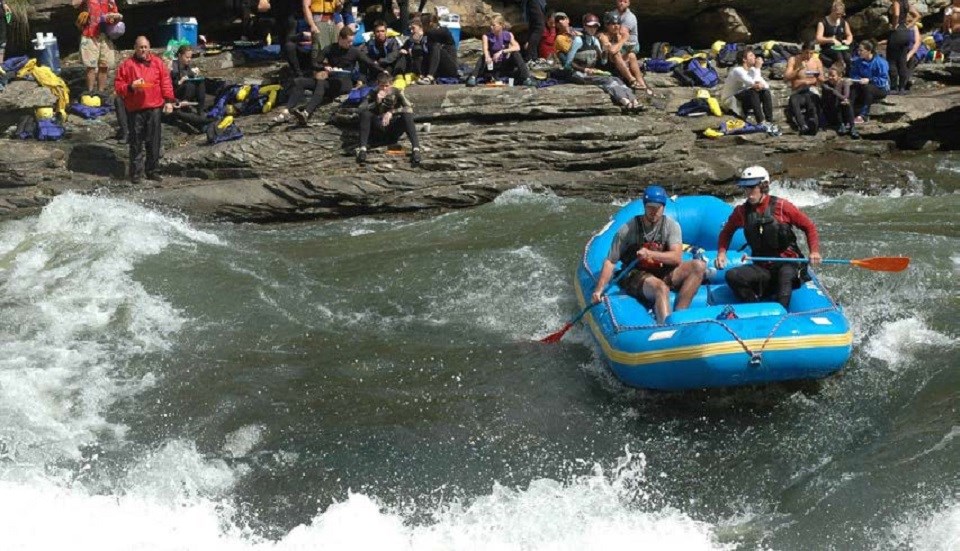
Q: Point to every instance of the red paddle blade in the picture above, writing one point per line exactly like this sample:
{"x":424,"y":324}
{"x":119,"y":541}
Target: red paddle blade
{"x":883,"y":263}
{"x":554,"y":338}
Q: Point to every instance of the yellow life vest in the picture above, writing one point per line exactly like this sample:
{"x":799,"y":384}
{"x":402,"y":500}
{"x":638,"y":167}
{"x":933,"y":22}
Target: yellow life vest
{"x":323,"y":6}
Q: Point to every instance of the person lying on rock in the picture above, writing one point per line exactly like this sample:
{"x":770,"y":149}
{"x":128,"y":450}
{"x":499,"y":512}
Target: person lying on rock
{"x":333,"y":76}
{"x":501,"y":55}
{"x":767,"y":223}
{"x":656,"y":242}
{"x":390,"y":112}
{"x":870,"y":79}
{"x":804,"y":73}
{"x":746,"y":90}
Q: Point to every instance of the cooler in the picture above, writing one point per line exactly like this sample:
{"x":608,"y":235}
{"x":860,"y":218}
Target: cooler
{"x":452,"y":22}
{"x":178,"y":28}
{"x":47,"y":51}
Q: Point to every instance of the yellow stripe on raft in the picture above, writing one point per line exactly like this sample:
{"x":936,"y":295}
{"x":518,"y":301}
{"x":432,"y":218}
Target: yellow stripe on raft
{"x":695,"y":351}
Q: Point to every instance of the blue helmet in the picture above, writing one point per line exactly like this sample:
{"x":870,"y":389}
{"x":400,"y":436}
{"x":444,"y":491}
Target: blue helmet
{"x":655,"y":194}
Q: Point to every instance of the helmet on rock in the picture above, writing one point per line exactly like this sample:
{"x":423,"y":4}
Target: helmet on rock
{"x":655,"y":194}
{"x":753,"y":176}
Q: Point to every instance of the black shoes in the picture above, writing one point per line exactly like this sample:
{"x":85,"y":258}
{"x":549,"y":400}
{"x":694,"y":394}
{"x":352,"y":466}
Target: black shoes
{"x":302,"y":116}
{"x":361,"y":155}
{"x":154,"y":176}
{"x":415,"y":157}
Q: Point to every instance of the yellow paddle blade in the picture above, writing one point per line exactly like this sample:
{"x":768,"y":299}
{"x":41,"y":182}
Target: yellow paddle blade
{"x":883,"y":263}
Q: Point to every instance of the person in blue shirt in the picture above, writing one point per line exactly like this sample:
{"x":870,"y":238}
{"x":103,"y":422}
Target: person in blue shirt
{"x":870,"y":76}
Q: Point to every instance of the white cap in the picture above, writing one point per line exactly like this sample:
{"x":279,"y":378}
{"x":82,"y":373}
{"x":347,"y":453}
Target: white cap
{"x":752,"y":176}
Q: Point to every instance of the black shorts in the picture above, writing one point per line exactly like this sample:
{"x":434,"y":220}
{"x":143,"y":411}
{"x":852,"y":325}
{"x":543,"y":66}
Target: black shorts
{"x":632,"y":283}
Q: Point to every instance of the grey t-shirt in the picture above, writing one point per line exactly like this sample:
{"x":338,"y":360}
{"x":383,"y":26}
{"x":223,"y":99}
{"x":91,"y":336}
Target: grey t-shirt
{"x":629,"y":21}
{"x":627,"y":236}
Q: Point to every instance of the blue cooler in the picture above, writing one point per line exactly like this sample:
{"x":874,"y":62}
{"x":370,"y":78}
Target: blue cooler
{"x":178,"y":28}
{"x":47,"y":51}
{"x":452,"y":22}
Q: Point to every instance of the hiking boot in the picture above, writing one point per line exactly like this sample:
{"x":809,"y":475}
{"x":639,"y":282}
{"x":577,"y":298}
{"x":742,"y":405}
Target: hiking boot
{"x":842,"y":129}
{"x":155,"y":176}
{"x":415,"y":157}
{"x":361,"y":155}
{"x":803,"y":129}
{"x":854,"y":134}
{"x":302,"y":116}
{"x":471,"y":81}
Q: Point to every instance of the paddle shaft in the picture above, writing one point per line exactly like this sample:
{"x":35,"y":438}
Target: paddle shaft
{"x":798,"y":260}
{"x":619,"y":276}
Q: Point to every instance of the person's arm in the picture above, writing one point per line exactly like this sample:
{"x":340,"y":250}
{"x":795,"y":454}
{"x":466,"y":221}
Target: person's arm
{"x":308,"y":16}
{"x":606,"y":273}
{"x":670,"y":257}
{"x":734,"y":222}
{"x":403,"y":104}
{"x":362,"y":57}
{"x":820,"y":38}
{"x":848,"y":36}
{"x":514,"y":46}
{"x":121,"y":85}
{"x":166,"y":89}
{"x":917,"y":40}
{"x":791,"y":72}
{"x":792,"y":215}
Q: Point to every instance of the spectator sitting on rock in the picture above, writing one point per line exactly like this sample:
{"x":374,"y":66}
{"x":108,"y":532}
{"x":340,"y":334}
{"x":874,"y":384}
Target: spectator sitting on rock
{"x":188,"y":85}
{"x":391,"y":112}
{"x":501,"y":55}
{"x":590,"y":56}
{"x":837,"y":103}
{"x":416,"y":49}
{"x":834,"y":36}
{"x":441,"y":51}
{"x":621,"y":55}
{"x":805,"y":73}
{"x":333,"y":76}
{"x":385,"y":52}
{"x":568,"y":41}
{"x":870,"y":79}
{"x":746,"y":90}
{"x":546,"y":48}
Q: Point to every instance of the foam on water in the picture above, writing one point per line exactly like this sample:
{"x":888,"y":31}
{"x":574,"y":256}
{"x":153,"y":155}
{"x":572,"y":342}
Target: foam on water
{"x":72,"y":315}
{"x":899,"y":340}
{"x":525,"y":195}
{"x":598,"y":510}
{"x":937,"y":531}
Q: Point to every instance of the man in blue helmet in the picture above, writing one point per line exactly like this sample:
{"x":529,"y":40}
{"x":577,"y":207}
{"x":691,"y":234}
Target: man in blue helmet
{"x":767,"y":223}
{"x":655,"y":241}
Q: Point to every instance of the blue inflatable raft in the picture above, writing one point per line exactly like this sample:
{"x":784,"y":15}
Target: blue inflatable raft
{"x":717,"y":342}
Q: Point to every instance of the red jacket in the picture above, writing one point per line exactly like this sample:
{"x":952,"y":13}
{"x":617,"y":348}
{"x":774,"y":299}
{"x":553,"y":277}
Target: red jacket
{"x":785,"y":213}
{"x":154,"y":72}
{"x":96,"y":8}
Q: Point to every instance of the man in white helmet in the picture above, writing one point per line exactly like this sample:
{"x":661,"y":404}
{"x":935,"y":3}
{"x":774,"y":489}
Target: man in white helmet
{"x":767,"y":223}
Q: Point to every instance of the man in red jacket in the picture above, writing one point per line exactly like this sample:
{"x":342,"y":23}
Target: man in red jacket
{"x":767,"y":223}
{"x":143,"y":81}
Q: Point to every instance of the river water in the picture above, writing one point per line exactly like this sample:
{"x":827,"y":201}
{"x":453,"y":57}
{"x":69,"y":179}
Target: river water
{"x":371,"y":383}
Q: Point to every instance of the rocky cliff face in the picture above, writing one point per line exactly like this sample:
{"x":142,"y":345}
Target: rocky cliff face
{"x":697,"y":22}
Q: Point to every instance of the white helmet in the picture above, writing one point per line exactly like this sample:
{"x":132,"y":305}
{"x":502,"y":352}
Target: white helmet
{"x":752,"y":176}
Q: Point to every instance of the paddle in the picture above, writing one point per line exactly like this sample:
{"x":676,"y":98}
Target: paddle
{"x":877,"y":263}
{"x":557,"y":335}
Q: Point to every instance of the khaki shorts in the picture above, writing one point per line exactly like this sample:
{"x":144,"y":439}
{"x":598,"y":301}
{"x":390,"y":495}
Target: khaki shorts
{"x":97,"y":52}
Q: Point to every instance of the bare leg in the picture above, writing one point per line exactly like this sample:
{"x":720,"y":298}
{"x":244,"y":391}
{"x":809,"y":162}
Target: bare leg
{"x":687,"y":277}
{"x":622,"y":69}
{"x":91,"y":78}
{"x":102,"y":78}
{"x":657,"y":291}
{"x":634,"y":67}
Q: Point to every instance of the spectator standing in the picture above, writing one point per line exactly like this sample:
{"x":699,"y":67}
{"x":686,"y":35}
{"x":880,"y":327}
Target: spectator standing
{"x":548,"y":38}
{"x":898,"y":43}
{"x":143,"y":82}
{"x":534,"y":14}
{"x":97,"y":52}
{"x":834,"y":36}
{"x":319,"y":16}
